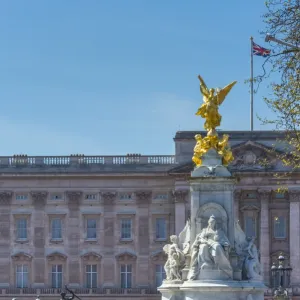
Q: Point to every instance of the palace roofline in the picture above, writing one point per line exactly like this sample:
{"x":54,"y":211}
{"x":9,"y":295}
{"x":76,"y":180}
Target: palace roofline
{"x":234,"y":134}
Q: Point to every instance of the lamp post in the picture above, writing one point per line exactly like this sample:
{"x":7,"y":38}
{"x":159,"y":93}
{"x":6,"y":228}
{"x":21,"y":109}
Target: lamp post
{"x":272,"y":38}
{"x":280,"y":275}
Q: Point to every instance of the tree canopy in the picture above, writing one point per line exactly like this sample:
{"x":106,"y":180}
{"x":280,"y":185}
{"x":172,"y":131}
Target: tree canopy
{"x":282,"y":20}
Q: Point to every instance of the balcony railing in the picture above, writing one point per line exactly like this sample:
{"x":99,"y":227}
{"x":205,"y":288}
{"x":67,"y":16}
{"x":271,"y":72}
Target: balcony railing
{"x":82,"y":160}
{"x":79,"y":291}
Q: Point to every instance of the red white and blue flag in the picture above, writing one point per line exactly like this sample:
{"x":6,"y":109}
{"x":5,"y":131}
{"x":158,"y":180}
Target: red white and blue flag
{"x":260,"y":51}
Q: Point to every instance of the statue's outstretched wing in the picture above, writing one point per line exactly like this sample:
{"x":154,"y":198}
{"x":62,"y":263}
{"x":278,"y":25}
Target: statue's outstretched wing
{"x":221,"y":95}
{"x":203,"y":88}
{"x":184,"y":237}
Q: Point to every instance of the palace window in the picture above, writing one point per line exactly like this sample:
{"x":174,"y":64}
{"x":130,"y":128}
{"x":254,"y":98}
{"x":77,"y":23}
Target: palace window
{"x":91,"y":196}
{"x":56,"y":276}
{"x":56,"y":228}
{"x":279,"y":227}
{"x":126,"y":225}
{"x":91,"y":229}
{"x":161,"y":228}
{"x":161,"y":197}
{"x":91,"y":276}
{"x":250,"y":226}
{"x":22,"y":276}
{"x":21,"y":197}
{"x":22,"y":229}
{"x":126,"y":196}
{"x":126,"y":276}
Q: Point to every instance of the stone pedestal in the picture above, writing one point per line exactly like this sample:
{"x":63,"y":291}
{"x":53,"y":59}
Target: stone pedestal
{"x":212,"y":203}
{"x":213,"y":290}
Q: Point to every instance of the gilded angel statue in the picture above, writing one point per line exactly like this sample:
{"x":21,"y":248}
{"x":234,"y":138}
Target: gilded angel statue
{"x":209,"y":110}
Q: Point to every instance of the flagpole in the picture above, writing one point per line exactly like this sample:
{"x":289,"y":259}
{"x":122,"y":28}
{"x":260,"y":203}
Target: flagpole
{"x":251,"y":85}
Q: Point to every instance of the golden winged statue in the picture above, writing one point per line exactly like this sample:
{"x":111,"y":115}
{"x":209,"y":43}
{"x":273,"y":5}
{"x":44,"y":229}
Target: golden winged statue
{"x":209,"y":110}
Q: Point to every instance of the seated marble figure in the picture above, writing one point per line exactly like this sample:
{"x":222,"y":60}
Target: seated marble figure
{"x":210,"y":251}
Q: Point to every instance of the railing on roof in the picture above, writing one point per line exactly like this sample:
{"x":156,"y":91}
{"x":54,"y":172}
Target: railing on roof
{"x":82,"y":160}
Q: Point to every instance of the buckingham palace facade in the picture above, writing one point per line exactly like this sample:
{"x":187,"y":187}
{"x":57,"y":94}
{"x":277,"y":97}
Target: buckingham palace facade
{"x":99,"y":223}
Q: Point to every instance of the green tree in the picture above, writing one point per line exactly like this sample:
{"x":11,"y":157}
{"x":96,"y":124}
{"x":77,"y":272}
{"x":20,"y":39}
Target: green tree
{"x":282,"y":20}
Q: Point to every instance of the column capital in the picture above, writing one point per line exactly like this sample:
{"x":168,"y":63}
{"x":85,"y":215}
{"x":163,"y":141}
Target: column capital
{"x":179,"y":196}
{"x":39,"y":197}
{"x":5,"y":197}
{"x":108,"y":197}
{"x":143,"y":196}
{"x":74,"y":196}
{"x":264,"y":194}
{"x":237,"y":194}
{"x":294,"y":195}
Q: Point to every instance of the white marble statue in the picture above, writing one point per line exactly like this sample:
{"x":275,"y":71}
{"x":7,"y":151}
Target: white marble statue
{"x":210,"y":251}
{"x":252,"y":264}
{"x":176,"y":253}
{"x":248,"y":254}
{"x":175,"y":261}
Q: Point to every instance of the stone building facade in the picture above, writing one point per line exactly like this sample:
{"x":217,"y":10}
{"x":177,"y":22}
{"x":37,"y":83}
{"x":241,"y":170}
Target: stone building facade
{"x":99,"y":223}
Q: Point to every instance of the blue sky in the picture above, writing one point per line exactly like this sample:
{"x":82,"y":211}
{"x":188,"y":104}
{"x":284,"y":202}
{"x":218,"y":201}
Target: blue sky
{"x":115,"y":77}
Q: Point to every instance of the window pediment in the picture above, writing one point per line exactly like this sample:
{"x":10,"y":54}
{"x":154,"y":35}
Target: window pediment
{"x":56,"y":255}
{"x":158,"y":255}
{"x":21,"y":256}
{"x":126,"y":255}
{"x":91,"y":256}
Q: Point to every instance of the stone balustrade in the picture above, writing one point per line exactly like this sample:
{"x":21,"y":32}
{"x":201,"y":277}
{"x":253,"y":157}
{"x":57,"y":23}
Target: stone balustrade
{"x":73,"y":160}
{"x":16,"y":292}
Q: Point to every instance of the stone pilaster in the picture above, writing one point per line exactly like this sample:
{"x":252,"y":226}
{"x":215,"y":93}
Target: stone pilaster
{"x":38,"y":223}
{"x":73,"y":236}
{"x":108,"y":199}
{"x":5,"y":250}
{"x":294,"y":197}
{"x":179,"y":198}
{"x":264,"y":244}
{"x":237,"y":198}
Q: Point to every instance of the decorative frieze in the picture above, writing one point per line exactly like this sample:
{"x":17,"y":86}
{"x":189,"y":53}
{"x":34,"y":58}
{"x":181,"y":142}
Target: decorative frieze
{"x":5,"y":197}
{"x":179,"y":196}
{"x":143,"y":196}
{"x":109,"y":197}
{"x":294,"y":195}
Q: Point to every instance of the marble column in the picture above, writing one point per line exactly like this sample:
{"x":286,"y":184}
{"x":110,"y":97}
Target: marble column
{"x":179,"y":198}
{"x":294,"y":197}
{"x":264,"y":244}
{"x":5,"y":242}
{"x":39,"y":201}
{"x":237,"y":198}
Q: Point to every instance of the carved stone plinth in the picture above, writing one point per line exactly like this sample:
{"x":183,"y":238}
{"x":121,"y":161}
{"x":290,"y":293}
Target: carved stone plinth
{"x":211,"y":166}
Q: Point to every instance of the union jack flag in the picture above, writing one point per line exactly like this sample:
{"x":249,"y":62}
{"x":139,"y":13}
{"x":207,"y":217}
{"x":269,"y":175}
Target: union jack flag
{"x":260,"y":51}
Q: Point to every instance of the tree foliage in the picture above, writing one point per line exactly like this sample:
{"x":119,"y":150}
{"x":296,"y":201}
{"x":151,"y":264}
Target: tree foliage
{"x":282,"y":20}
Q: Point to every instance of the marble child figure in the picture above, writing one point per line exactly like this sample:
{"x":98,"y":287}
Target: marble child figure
{"x":175,"y":260}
